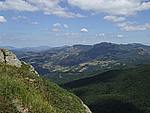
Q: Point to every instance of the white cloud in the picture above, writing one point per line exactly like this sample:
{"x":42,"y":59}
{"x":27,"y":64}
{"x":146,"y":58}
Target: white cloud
{"x":128,"y":26}
{"x":84,"y":30}
{"x":19,"y":5}
{"x":112,"y":7}
{"x":115,"y":18}
{"x":2,"y":19}
{"x":66,"y":26}
{"x":55,"y":29}
{"x":64,"y":14}
{"x":117,"y":11}
{"x":57,"y":25}
{"x":47,"y":6}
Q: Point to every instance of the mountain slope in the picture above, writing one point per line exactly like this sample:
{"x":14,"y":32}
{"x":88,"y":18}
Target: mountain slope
{"x":116,"y":91}
{"x":64,"y":64}
{"x":23,"y":91}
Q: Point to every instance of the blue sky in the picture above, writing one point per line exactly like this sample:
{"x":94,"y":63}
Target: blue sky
{"x":26,"y":23}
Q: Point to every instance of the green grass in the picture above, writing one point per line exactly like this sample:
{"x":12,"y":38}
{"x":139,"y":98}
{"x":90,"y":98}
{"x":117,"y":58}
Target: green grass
{"x":21,"y":89}
{"x":117,"y":91}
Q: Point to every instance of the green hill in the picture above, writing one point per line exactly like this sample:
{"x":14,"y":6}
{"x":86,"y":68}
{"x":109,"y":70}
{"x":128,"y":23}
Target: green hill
{"x":68,"y":63}
{"x":23,"y":91}
{"x":116,"y":91}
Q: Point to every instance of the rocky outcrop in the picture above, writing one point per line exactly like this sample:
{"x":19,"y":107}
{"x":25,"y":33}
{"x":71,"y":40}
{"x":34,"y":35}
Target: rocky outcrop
{"x":7,"y":57}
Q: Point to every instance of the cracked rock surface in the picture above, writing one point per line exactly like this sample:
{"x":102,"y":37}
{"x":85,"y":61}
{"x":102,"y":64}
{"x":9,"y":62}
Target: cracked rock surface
{"x":9,"y":58}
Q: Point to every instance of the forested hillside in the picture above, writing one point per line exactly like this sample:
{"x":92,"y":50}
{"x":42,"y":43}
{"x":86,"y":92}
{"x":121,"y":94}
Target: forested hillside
{"x":116,"y":91}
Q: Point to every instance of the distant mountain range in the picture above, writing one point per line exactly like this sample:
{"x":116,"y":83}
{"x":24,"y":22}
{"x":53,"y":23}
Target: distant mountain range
{"x":62,"y":62}
{"x":34,"y":49}
{"x":27,"y":49}
{"x":109,"y":78}
{"x":8,"y":47}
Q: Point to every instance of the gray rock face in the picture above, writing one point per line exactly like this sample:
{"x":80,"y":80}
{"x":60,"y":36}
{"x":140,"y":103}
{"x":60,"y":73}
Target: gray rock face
{"x":9,"y":58}
{"x":1,"y":56}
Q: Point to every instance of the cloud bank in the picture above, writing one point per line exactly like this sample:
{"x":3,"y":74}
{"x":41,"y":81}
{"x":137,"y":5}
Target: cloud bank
{"x":116,"y":11}
{"x":48,"y":7}
{"x":112,"y":7}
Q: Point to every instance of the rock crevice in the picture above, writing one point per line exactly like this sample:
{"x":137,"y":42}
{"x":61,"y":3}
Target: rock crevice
{"x":4,"y":55}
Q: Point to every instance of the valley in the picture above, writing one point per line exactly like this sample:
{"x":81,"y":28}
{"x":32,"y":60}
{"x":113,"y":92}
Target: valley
{"x":74,"y":56}
{"x":64,"y":64}
{"x":109,"y":78}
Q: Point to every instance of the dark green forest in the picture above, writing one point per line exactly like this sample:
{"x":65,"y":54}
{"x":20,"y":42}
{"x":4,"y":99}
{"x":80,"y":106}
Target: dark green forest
{"x":115,"y":91}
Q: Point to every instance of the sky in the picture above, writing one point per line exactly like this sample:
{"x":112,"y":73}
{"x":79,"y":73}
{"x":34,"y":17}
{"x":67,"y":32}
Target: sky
{"x":31,"y":23}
